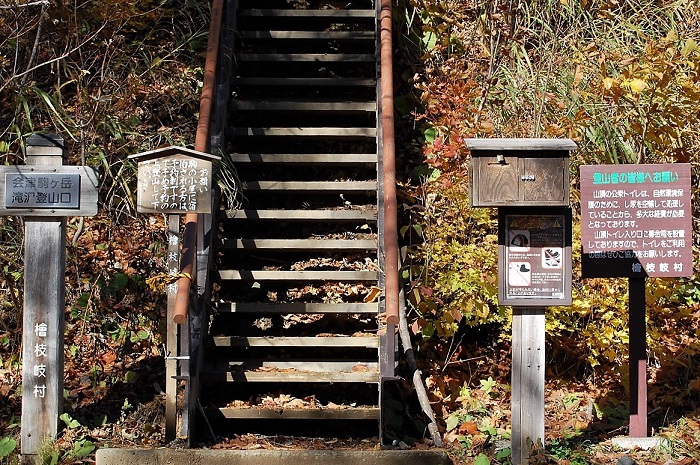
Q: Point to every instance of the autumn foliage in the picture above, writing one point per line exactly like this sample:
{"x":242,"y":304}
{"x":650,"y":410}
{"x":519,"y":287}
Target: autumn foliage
{"x":622,"y":80}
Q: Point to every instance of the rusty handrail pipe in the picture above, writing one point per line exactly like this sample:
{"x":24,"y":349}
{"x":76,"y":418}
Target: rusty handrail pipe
{"x":201,"y":144}
{"x":391,"y":242}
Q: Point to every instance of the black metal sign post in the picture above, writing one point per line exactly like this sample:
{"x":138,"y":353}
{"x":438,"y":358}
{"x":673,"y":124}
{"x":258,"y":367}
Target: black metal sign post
{"x":636,"y":222}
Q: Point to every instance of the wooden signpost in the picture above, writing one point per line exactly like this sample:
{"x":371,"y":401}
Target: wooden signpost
{"x":45,"y":193}
{"x":528,"y":179}
{"x":636,"y":222}
{"x":175,"y":181}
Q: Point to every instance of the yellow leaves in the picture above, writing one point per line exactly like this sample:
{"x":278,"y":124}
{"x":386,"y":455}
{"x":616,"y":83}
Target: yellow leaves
{"x":690,"y":47}
{"x":610,"y":354}
{"x":609,"y":83}
{"x":636,"y":85}
{"x":161,"y":281}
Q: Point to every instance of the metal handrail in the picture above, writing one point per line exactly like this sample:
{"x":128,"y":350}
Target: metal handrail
{"x":391,"y":241}
{"x":201,"y":144}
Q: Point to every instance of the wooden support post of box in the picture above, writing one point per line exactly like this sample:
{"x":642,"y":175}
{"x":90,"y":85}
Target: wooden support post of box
{"x":527,"y":382}
{"x":44,"y":192}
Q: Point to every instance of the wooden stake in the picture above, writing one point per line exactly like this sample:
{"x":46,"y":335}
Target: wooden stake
{"x":527,"y":382}
{"x":44,"y":318}
{"x":171,"y":349}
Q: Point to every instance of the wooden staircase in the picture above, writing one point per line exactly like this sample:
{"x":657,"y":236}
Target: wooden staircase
{"x":297,"y":329}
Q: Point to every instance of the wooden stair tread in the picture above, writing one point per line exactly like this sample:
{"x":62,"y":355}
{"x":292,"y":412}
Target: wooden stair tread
{"x":303,"y":215}
{"x":367,"y":342}
{"x":295,"y":307}
{"x":312,"y":57}
{"x":354,"y":413}
{"x":290,"y":105}
{"x":313,"y":186}
{"x":300,"y":244}
{"x":307,"y":131}
{"x":315,"y":366}
{"x":263,"y":275}
{"x":304,"y":82}
{"x":293,"y":377}
{"x":272,"y":12}
{"x":327,"y":35}
{"x":304,"y":158}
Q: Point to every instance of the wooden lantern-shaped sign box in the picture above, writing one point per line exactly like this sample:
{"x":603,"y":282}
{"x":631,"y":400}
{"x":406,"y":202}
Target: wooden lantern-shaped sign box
{"x":174,"y":180}
{"x":519,"y":172}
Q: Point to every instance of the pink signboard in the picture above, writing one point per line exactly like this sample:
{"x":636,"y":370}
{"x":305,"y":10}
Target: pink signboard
{"x":636,"y":221}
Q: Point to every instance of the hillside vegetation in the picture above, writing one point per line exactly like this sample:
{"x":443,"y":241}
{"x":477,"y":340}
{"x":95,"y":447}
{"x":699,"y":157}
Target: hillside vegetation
{"x":622,"y":79}
{"x":619,"y":77}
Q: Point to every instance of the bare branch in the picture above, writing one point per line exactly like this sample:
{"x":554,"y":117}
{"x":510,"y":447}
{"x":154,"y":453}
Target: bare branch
{"x":37,"y":39}
{"x":53,"y":60}
{"x":44,"y":3}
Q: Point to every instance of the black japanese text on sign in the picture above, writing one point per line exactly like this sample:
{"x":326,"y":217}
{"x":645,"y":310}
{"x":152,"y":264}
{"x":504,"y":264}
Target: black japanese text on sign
{"x":174,"y":184}
{"x":636,"y":220}
{"x":42,"y":190}
{"x":534,"y":256}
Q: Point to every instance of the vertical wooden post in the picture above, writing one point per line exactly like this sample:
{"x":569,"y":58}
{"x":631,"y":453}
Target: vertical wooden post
{"x":638,"y":358}
{"x":44,"y":306}
{"x":527,"y":382}
{"x":171,"y":347}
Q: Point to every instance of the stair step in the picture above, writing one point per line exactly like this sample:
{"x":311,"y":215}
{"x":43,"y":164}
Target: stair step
{"x":314,"y":366}
{"x":308,"y":57}
{"x":324,"y":35}
{"x":258,"y":105}
{"x":292,"y":377}
{"x":310,"y":186}
{"x":304,"y":158}
{"x":355,"y":413}
{"x":335,"y":14}
{"x":367,"y":342}
{"x":303,"y":215}
{"x":304,"y":82}
{"x":295,"y":307}
{"x":300,"y":244}
{"x":308,"y":131}
{"x":262,"y":275}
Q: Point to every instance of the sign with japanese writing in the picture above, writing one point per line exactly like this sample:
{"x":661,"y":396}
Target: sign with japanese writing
{"x":48,"y":191}
{"x":174,"y":180}
{"x":534,"y":257}
{"x":636,"y":221}
{"x":42,"y":190}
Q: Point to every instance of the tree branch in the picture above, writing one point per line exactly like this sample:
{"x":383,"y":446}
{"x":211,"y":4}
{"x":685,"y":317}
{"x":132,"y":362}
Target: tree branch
{"x":44,"y":3}
{"x":37,"y":39}
{"x":53,"y":60}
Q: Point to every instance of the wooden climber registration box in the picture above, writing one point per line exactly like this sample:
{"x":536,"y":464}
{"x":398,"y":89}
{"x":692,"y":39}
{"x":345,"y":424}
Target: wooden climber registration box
{"x":534,"y":256}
